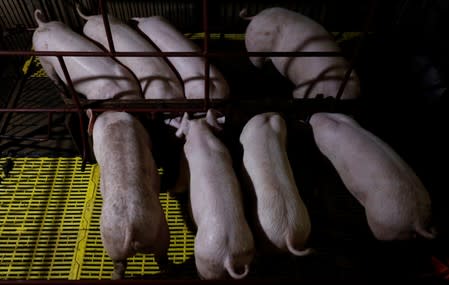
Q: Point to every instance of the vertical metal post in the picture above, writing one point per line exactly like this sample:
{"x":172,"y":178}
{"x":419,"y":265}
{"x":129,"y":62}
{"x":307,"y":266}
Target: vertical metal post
{"x":49,"y":125}
{"x":107,"y":26}
{"x":206,"y":53}
{"x":78,"y":107}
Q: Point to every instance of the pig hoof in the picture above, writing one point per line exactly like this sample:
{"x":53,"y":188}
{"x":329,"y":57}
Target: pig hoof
{"x":163,"y":263}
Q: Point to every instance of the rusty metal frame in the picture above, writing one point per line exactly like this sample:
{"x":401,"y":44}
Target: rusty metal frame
{"x":155,"y":106}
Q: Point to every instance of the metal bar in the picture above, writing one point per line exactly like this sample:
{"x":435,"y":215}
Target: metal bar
{"x":49,"y":125}
{"x":253,"y":281}
{"x":102,"y":109}
{"x":169,"y":54}
{"x":24,"y":138}
{"x":195,"y":105}
{"x":11,"y":102}
{"x":206,"y":54}
{"x":28,"y":136}
{"x":37,"y":110}
{"x":107,"y":26}
{"x":79,"y":109}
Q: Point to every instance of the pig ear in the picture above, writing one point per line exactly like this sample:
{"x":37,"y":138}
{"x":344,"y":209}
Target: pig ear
{"x":184,"y":126}
{"x":91,"y":117}
{"x":211,"y":118}
{"x":174,"y":122}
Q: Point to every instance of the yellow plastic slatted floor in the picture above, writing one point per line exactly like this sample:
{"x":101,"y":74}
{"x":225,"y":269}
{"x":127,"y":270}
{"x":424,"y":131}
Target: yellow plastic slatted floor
{"x":49,"y":224}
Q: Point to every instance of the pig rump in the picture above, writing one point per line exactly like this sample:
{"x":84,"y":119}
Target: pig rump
{"x":396,"y":202}
{"x":282,"y":219}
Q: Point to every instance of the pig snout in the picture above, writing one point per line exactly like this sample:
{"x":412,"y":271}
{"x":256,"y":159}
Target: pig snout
{"x":282,"y":219}
{"x":397,"y":205}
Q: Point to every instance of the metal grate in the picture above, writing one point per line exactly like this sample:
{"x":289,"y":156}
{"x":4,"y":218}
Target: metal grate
{"x":41,"y":203}
{"x":49,"y":224}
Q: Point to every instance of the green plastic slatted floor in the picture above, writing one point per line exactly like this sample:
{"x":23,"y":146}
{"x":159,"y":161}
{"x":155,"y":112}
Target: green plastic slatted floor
{"x":49,"y":224}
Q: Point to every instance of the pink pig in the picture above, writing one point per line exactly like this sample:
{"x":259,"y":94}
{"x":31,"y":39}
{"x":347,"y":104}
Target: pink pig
{"x":396,"y":203}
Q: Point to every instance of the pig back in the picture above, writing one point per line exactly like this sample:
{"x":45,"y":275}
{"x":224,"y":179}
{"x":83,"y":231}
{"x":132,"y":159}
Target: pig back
{"x":94,"y":77}
{"x":191,"y":69}
{"x":157,"y":79}
{"x":282,"y":30}
{"x":223,"y":242}
{"x":396,"y":202}
{"x":282,"y":216}
{"x":210,"y":165}
{"x":132,"y":218}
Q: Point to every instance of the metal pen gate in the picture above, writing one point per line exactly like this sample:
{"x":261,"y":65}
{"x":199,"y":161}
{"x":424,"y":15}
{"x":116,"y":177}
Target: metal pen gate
{"x":34,"y":102}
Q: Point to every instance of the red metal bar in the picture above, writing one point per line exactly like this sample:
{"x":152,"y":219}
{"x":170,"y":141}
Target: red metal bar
{"x":169,"y":54}
{"x":35,"y":138}
{"x":180,"y":106}
{"x":78,"y":107}
{"x":49,"y":125}
{"x":107,"y":26}
{"x":121,"y":109}
{"x":24,"y":138}
{"x":38,"y":110}
{"x":248,"y":281}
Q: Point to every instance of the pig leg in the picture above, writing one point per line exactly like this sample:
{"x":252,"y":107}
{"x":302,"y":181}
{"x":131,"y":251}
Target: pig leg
{"x":161,"y":247}
{"x":119,"y":269}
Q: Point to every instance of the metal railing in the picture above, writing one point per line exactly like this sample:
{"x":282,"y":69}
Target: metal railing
{"x":78,"y":106}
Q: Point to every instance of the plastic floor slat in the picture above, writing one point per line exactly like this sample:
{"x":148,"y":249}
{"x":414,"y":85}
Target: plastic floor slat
{"x":49,"y":224}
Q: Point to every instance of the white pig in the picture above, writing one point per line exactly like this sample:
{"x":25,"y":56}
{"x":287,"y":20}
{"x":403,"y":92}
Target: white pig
{"x":223,"y":242}
{"x":94,"y":77}
{"x":132,"y":219}
{"x":396,"y":203}
{"x":157,"y":79}
{"x":281,"y":214}
{"x":191,"y":69}
{"x":281,"y":30}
